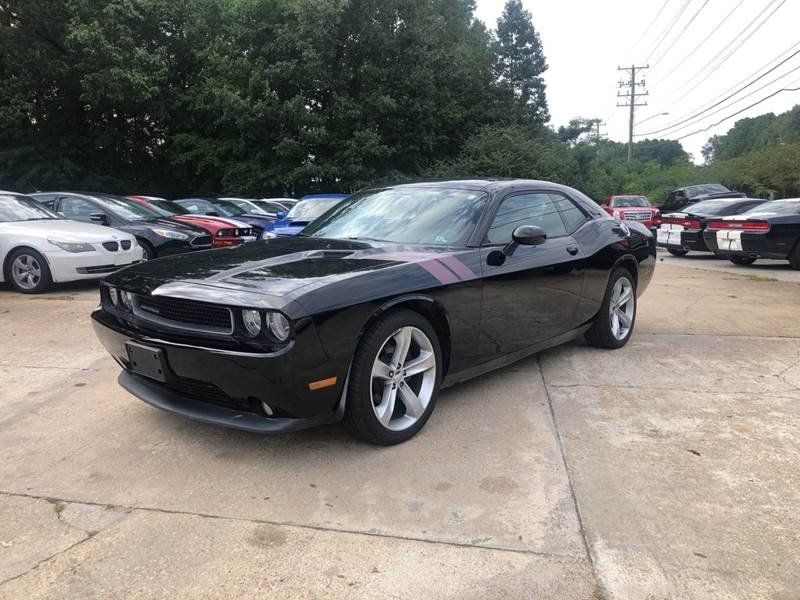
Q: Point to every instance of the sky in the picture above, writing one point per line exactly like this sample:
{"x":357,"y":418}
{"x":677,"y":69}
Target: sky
{"x":685,"y":43}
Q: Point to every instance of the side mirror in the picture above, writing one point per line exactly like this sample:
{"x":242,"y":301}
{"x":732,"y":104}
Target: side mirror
{"x":212,"y":213}
{"x":281,"y":214}
{"x":524,"y":235}
{"x":98,"y":217}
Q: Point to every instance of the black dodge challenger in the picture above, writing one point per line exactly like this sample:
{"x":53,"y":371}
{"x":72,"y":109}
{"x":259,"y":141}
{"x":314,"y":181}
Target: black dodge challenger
{"x":391,"y":295}
{"x":770,"y":230}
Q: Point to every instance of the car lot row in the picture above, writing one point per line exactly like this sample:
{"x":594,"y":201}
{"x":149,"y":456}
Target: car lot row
{"x":54,"y":237}
{"x":725,"y":223}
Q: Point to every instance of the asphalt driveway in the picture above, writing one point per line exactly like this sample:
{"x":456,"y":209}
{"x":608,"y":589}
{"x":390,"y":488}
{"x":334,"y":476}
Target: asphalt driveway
{"x":663,"y":470}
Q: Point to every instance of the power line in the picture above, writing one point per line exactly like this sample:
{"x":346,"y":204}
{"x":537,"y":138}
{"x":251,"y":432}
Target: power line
{"x":733,"y":51}
{"x":650,"y":26}
{"x":706,"y":38}
{"x":738,"y":112}
{"x":681,"y":32}
{"x":731,"y":95}
{"x":667,"y":29}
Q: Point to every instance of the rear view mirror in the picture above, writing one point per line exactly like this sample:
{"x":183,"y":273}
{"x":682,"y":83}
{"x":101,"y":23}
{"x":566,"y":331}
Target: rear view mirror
{"x":280,"y":215}
{"x":98,"y":217}
{"x":529,"y":235}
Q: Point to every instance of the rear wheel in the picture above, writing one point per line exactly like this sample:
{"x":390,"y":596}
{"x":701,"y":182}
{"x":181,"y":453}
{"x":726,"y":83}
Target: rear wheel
{"x":677,"y":252}
{"x":28,"y":271}
{"x":794,"y":257}
{"x":613,"y":325}
{"x":742,"y":260}
{"x":394,"y":379}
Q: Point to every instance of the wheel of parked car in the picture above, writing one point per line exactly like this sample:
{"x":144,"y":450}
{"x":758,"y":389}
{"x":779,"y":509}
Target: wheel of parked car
{"x":28,"y":271}
{"x":742,"y":260}
{"x":677,"y":252}
{"x":794,"y":257}
{"x":147,"y":250}
{"x":394,"y":379}
{"x":613,"y":325}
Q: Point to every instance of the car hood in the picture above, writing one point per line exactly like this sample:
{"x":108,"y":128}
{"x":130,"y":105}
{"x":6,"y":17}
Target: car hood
{"x":214,"y":223}
{"x":65,"y":230}
{"x":166,"y":223}
{"x":300,"y":275}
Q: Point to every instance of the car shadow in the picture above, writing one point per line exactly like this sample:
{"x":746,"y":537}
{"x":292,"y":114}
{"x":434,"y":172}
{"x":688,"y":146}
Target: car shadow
{"x":58,"y":289}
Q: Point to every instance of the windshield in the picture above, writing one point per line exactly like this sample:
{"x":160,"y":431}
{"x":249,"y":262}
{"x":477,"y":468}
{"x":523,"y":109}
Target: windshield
{"x":709,"y":207}
{"x":21,"y":208}
{"x":626,"y":201}
{"x":230,"y":208}
{"x":127,"y":209}
{"x":307,"y":210}
{"x":710,"y":188}
{"x":777,"y":207}
{"x":169,"y":207}
{"x":404,"y":215}
{"x":268,"y":206}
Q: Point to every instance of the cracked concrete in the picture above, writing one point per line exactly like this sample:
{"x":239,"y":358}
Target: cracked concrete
{"x":663,"y":470}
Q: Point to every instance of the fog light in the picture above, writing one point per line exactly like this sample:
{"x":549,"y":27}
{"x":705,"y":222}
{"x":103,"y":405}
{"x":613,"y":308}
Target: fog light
{"x":279,"y":326}
{"x":251,"y":319}
{"x":127,"y":299}
{"x":112,"y":293}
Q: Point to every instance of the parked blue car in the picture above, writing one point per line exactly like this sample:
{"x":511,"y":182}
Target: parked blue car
{"x":304,"y":212}
{"x":226,"y":208}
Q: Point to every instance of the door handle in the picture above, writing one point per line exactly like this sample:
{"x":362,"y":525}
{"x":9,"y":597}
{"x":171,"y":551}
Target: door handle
{"x":572,"y":250}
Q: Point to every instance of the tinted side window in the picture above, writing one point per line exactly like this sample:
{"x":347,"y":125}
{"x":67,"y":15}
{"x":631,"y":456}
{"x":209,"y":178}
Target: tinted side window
{"x":525,"y":209}
{"x":573,"y":216}
{"x":77,"y":208}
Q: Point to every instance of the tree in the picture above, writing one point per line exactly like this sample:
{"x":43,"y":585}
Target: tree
{"x":520,"y":62}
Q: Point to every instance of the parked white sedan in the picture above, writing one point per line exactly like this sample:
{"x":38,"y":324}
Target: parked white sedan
{"x":39,"y":247}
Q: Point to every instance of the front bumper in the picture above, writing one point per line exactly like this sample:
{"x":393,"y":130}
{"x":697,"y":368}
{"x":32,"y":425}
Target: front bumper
{"x":73,"y":266}
{"x":227,"y":387}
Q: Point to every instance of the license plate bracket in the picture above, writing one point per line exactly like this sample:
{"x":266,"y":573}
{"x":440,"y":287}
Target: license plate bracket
{"x":147,"y":361}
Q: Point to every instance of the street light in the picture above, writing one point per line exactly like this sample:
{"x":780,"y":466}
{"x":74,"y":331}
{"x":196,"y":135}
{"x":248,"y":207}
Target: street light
{"x":652,"y":117}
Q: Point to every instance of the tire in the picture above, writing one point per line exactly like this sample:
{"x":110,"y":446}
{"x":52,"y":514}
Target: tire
{"x":373,"y":390}
{"x":149,"y":253}
{"x":742,"y":260}
{"x":677,"y":252}
{"x":794,"y":257}
{"x":28,"y":272}
{"x":603,"y":333}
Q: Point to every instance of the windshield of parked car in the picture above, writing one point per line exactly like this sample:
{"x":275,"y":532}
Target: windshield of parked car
{"x":270,"y":207}
{"x":169,"y":207}
{"x":709,"y":188}
{"x":414,"y":215}
{"x":125,"y":209}
{"x":777,"y":207}
{"x":14,"y":208}
{"x":231,"y":209}
{"x":305,"y":210}
{"x":709,"y":207}
{"x":626,"y":201}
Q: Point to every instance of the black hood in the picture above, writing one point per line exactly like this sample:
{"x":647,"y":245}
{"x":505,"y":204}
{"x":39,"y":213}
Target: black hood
{"x":277,"y":272}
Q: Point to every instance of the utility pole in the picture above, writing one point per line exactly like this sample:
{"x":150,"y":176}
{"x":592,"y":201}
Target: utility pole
{"x":631,"y":95}
{"x":597,"y":124}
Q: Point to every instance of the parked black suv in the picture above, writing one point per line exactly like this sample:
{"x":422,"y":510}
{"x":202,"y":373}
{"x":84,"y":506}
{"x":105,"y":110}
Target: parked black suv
{"x":690,"y":194}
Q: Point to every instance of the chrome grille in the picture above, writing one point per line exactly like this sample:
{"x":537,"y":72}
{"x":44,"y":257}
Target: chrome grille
{"x":183,"y":314}
{"x":111,"y":246}
{"x":638,"y":216}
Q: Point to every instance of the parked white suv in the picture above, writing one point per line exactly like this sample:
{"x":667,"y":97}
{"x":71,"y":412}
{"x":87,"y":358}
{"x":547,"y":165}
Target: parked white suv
{"x":39,"y":247}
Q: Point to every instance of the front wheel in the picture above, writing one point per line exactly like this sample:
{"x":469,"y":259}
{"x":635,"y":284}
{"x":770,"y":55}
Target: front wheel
{"x":613,"y":325}
{"x":148,"y":252}
{"x":675,"y":252}
{"x":742,"y":260}
{"x":28,"y":271}
{"x":394,"y":379}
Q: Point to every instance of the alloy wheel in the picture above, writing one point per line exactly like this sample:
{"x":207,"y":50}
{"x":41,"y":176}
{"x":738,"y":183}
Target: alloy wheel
{"x":403,"y":378}
{"x":622,"y":308}
{"x":26,"y":271}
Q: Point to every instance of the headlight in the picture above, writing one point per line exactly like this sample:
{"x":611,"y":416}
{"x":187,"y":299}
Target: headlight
{"x":114,"y":295}
{"x":279,"y":326}
{"x":127,"y":299}
{"x":226,"y":233}
{"x":268,"y":235}
{"x":72,"y":246}
{"x":168,"y":233}
{"x":617,"y":216}
{"x":252,"y":322}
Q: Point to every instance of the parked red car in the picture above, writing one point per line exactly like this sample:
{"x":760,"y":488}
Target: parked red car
{"x":224,"y":231}
{"x":631,"y":208}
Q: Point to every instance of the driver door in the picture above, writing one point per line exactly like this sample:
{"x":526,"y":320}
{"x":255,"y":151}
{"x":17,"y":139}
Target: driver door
{"x":534,"y":294}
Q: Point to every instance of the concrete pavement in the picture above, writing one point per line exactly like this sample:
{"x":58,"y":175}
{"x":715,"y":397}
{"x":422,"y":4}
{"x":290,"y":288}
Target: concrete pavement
{"x":670,"y":461}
